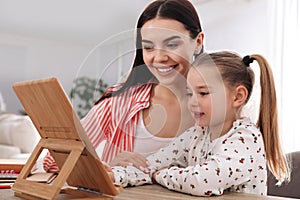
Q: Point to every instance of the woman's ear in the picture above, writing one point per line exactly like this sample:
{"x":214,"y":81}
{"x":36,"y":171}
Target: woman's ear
{"x":240,"y":96}
{"x":199,"y":40}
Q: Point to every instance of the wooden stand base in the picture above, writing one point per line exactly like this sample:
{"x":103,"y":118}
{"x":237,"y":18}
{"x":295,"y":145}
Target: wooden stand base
{"x":78,"y":164}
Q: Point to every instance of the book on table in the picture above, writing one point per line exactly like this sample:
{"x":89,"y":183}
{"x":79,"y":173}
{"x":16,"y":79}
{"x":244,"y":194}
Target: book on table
{"x":42,"y":177}
{"x":10,"y":168}
{"x":12,"y":164}
{"x":9,"y":171}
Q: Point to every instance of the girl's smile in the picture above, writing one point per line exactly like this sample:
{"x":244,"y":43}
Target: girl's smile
{"x":198,"y":115}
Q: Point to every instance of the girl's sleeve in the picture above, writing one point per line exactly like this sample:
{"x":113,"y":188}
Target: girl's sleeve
{"x":173,"y":154}
{"x":234,"y":161}
{"x":96,"y":124}
{"x":130,"y":176}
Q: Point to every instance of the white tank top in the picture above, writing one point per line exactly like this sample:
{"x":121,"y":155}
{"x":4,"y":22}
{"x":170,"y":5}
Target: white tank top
{"x":145,"y":143}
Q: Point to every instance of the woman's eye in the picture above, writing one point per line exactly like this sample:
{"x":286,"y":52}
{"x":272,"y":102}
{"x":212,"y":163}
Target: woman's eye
{"x":148,"y":47}
{"x":172,"y":45}
{"x":189,"y":94}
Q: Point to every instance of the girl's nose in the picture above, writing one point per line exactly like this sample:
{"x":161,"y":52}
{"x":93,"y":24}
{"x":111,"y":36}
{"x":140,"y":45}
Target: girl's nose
{"x":194,"y":101}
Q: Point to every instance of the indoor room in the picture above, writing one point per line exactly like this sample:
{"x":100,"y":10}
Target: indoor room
{"x":89,"y":46}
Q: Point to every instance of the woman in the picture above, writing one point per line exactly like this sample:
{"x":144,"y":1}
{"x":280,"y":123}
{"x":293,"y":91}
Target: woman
{"x":145,"y":113}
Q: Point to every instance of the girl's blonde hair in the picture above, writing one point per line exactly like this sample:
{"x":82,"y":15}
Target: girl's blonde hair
{"x":235,"y":71}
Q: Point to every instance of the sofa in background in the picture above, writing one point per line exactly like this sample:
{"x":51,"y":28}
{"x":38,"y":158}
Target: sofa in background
{"x":291,"y":189}
{"x":18,"y":136}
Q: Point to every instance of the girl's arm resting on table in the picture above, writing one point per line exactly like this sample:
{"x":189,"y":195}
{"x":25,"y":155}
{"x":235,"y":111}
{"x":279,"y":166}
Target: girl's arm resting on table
{"x":130,"y":176}
{"x":173,"y":154}
{"x":223,"y":170}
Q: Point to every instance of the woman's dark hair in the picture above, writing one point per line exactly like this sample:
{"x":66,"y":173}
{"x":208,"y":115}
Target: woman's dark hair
{"x":179,"y":10}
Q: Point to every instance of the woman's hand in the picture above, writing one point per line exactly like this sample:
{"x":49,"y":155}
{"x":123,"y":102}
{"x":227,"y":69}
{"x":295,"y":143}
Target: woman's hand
{"x":131,"y":158}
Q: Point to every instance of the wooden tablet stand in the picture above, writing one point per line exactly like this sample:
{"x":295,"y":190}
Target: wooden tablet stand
{"x":77,"y":165}
{"x":62,"y":134}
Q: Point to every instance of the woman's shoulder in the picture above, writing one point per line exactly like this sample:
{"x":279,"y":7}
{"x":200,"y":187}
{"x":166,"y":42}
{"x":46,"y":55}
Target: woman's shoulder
{"x":114,"y":88}
{"x":132,"y":92}
{"x":138,"y":94}
{"x":143,"y":88}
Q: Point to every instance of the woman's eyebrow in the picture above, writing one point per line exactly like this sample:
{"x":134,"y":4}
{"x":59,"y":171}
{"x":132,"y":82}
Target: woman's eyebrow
{"x":165,"y":40}
{"x":147,"y":41}
{"x":172,"y":38}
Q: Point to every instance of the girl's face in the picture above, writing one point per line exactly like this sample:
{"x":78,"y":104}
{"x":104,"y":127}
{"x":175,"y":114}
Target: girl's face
{"x":209,"y":101}
{"x":168,"y":49}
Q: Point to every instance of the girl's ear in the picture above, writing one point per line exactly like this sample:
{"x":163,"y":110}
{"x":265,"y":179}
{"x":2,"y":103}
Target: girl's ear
{"x":240,"y":96}
{"x":199,"y":40}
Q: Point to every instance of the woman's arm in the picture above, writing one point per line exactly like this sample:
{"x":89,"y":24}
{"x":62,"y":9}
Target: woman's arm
{"x":126,"y":158}
{"x":97,"y":122}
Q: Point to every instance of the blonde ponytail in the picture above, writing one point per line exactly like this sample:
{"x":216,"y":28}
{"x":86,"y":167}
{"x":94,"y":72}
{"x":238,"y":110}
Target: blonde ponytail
{"x":268,"y":122}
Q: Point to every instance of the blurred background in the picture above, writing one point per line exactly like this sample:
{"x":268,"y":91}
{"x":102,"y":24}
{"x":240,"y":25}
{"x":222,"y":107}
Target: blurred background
{"x":72,"y":39}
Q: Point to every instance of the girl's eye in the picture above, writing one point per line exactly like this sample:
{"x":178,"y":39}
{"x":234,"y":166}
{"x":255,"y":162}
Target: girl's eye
{"x":203,"y":93}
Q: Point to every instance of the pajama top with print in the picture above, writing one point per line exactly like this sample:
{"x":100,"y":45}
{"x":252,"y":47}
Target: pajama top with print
{"x":196,"y":165}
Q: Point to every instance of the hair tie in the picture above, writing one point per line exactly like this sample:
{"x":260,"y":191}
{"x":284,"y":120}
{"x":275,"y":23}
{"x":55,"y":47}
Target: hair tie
{"x":247,"y":60}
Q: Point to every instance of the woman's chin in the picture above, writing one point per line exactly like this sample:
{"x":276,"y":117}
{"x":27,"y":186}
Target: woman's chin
{"x":172,"y":80}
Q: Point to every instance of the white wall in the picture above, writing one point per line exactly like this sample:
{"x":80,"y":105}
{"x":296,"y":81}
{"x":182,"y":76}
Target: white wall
{"x":240,"y":25}
{"x":23,"y":58}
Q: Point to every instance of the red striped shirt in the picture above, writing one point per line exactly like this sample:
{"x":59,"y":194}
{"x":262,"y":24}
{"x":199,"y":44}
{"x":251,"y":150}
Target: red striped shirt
{"x":113,"y":120}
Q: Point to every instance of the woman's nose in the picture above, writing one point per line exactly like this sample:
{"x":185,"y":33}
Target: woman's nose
{"x":160,"y":55}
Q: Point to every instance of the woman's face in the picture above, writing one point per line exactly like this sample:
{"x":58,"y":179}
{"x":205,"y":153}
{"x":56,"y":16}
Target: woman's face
{"x":168,"y":49}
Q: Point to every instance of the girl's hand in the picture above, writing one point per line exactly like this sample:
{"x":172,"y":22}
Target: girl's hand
{"x":155,"y":173}
{"x":131,"y":158}
{"x":154,"y":177}
{"x":109,"y":171}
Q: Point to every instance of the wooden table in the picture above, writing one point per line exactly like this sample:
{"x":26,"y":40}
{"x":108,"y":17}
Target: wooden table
{"x":156,"y":192}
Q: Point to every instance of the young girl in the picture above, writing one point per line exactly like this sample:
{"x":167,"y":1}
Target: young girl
{"x":223,"y":151}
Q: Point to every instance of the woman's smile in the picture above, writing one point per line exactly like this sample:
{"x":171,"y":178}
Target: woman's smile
{"x":165,"y":70}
